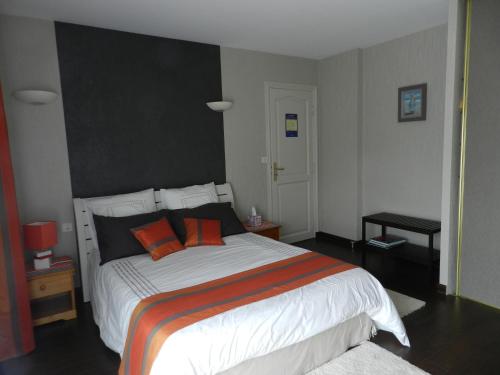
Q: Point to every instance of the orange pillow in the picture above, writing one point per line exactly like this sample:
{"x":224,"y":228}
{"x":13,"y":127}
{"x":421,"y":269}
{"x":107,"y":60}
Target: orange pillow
{"x":158,"y":238}
{"x":202,"y":232}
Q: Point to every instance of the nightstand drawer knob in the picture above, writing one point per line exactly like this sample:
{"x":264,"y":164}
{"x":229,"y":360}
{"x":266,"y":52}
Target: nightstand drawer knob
{"x":43,"y":287}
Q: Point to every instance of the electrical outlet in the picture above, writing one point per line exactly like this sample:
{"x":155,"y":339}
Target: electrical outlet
{"x":67,"y":227}
{"x":264,"y":159}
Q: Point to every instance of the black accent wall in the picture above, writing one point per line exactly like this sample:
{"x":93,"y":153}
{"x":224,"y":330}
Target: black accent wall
{"x":135,"y":112}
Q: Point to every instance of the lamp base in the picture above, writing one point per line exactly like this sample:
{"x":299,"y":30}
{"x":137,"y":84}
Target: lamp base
{"x":42,"y":260}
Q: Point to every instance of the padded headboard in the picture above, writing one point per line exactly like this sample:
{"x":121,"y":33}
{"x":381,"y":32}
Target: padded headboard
{"x":86,"y":246}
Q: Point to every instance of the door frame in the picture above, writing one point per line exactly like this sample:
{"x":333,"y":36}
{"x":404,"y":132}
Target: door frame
{"x":268,"y":85}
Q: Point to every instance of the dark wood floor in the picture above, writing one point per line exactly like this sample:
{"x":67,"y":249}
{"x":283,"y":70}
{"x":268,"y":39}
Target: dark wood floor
{"x":448,"y":336}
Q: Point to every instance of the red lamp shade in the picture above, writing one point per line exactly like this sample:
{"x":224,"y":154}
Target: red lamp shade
{"x":41,"y":235}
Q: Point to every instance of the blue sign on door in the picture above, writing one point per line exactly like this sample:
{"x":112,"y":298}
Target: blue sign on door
{"x":291,"y":125}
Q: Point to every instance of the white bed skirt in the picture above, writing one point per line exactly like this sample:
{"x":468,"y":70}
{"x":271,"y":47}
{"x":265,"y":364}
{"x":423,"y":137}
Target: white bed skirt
{"x":311,"y":353}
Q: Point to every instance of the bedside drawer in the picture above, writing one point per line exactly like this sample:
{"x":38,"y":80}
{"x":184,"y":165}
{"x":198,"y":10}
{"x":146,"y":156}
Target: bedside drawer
{"x":273,"y":233}
{"x":50,"y":285}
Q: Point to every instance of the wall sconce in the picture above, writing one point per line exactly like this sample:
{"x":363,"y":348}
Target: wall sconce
{"x":220,"y":106}
{"x":35,"y":97}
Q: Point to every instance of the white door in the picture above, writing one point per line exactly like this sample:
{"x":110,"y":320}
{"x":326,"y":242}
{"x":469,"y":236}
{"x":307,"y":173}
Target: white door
{"x":292,"y":150}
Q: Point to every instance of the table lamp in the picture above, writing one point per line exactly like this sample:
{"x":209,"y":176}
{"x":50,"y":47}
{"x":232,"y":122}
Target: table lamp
{"x":40,"y":237}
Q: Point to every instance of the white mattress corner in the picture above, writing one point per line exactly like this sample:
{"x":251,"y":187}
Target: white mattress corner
{"x":223,"y":341}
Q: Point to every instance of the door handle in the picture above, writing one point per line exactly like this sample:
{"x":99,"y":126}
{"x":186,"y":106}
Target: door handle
{"x":275,"y":171}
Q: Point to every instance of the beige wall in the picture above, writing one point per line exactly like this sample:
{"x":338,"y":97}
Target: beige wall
{"x":403,"y":161}
{"x":339,"y":144}
{"x":368,"y":161}
{"x":37,"y":135}
{"x":243,"y":75}
{"x":480,"y":256}
{"x":451,"y":144}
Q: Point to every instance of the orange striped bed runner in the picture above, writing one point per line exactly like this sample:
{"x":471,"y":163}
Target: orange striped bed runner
{"x":157,"y":317}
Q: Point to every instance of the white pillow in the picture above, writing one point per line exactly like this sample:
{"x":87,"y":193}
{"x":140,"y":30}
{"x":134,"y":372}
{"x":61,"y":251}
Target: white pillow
{"x":120,"y":205}
{"x":188,"y":197}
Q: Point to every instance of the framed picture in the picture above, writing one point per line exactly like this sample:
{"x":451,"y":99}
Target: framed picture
{"x":412,"y":103}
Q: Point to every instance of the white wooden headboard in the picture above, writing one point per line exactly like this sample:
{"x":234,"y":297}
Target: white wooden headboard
{"x":86,"y":245}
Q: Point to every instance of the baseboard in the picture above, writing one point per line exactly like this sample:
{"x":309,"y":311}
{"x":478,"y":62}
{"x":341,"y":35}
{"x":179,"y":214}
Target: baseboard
{"x":337,"y":239}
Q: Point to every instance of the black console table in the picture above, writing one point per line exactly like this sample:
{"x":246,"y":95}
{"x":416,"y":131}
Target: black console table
{"x":419,"y":254}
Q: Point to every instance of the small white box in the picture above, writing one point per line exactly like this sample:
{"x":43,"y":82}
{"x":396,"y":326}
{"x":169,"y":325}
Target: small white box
{"x":42,"y":260}
{"x":42,"y":264}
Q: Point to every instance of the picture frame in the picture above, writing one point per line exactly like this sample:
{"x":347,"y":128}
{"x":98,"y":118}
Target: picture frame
{"x":412,"y":103}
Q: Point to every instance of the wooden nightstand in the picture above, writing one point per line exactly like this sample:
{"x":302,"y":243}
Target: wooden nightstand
{"x":267,"y":229}
{"x":52,"y":293}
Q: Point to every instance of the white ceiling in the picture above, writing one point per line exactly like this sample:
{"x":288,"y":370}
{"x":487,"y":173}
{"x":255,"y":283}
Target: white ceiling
{"x":307,"y":28}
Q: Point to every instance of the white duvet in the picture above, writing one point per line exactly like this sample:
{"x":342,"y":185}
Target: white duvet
{"x":225,"y":340}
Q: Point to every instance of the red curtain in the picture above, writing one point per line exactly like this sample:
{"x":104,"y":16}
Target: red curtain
{"x":16,"y":330}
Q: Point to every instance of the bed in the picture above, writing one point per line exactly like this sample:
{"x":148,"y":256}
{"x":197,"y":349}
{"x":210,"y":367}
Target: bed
{"x":312,"y":324}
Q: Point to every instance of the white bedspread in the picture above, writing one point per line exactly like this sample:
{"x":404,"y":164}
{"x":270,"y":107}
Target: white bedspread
{"x":223,"y":341}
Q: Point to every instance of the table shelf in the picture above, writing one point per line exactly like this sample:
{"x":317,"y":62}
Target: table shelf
{"x":427,"y":256}
{"x":409,"y":252}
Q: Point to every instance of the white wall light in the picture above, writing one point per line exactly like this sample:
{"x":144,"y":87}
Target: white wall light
{"x":35,"y":97}
{"x":220,"y":106}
